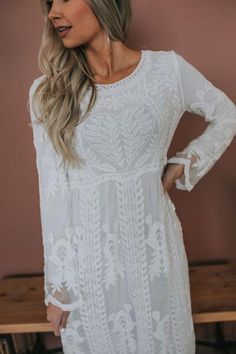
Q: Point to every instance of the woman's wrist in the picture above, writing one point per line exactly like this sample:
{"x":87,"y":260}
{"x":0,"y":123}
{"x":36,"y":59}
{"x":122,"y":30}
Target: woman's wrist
{"x":178,"y":168}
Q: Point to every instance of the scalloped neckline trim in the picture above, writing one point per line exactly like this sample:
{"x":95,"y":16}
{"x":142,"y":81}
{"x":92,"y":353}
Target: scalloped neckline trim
{"x":126,"y":78}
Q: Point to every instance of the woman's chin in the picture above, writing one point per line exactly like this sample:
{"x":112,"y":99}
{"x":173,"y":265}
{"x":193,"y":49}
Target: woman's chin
{"x":70,"y":44}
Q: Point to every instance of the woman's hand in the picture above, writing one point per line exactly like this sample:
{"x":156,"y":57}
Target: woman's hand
{"x":171,"y":173}
{"x":57,"y":318}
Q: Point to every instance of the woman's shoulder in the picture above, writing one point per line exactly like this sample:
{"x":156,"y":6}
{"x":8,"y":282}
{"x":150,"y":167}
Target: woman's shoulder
{"x":168,"y":59}
{"x":160,"y":52}
{"x":163,"y":55}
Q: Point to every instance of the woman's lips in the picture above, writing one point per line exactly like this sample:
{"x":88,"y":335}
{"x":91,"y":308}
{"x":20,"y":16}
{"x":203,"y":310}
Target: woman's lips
{"x":64,"y":32}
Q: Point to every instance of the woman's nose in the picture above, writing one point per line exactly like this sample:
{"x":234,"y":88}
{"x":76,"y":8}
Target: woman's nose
{"x":54,"y":12}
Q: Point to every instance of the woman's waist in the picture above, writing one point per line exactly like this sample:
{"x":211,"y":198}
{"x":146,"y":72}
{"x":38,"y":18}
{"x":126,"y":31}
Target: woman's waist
{"x":90,"y":176}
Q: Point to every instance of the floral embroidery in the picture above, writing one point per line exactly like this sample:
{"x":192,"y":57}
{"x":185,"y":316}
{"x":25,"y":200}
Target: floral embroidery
{"x":113,"y":244}
{"x":61,"y":257}
{"x":123,"y":326}
{"x":157,"y":241}
{"x":162,"y":333}
{"x":111,"y":253}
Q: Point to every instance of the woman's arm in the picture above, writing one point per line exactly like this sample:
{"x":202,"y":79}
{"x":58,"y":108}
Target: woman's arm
{"x":60,"y":261}
{"x":201,"y":97}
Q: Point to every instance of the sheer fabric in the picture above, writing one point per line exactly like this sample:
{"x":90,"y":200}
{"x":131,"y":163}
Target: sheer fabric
{"x":201,"y":97}
{"x":113,"y":244}
{"x":60,"y":263}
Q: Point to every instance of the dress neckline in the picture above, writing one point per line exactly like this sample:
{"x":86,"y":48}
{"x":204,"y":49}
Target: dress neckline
{"x":126,"y":78}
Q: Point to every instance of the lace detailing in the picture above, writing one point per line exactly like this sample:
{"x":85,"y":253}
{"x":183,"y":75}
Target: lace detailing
{"x":179,"y":297}
{"x":203,"y":98}
{"x":93,"y":312}
{"x":131,"y":216}
{"x":118,"y":245}
{"x":123,"y":326}
{"x":159,"y":263}
{"x":126,"y":79}
{"x":121,"y":177}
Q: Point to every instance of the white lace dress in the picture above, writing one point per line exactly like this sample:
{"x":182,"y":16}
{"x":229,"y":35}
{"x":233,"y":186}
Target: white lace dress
{"x":113,"y":245}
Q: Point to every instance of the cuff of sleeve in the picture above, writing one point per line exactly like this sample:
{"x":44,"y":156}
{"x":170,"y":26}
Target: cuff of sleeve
{"x":64,"y":307}
{"x":185,"y":184}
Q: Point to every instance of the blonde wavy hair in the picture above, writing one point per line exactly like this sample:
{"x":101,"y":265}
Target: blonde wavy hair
{"x":67,"y":76}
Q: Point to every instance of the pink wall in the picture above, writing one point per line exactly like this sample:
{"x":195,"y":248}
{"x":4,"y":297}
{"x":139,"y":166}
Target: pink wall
{"x":204,"y":33}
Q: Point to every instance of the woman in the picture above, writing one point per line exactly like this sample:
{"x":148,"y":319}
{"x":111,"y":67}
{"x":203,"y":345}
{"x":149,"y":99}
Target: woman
{"x":116,"y":271}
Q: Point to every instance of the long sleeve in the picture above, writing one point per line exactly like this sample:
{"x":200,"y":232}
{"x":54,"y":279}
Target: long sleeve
{"x":60,"y":264}
{"x":200,"y":96}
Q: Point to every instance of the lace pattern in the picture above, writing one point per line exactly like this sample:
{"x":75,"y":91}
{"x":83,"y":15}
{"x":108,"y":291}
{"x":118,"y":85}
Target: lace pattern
{"x":201,"y":97}
{"x":113,"y":246}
